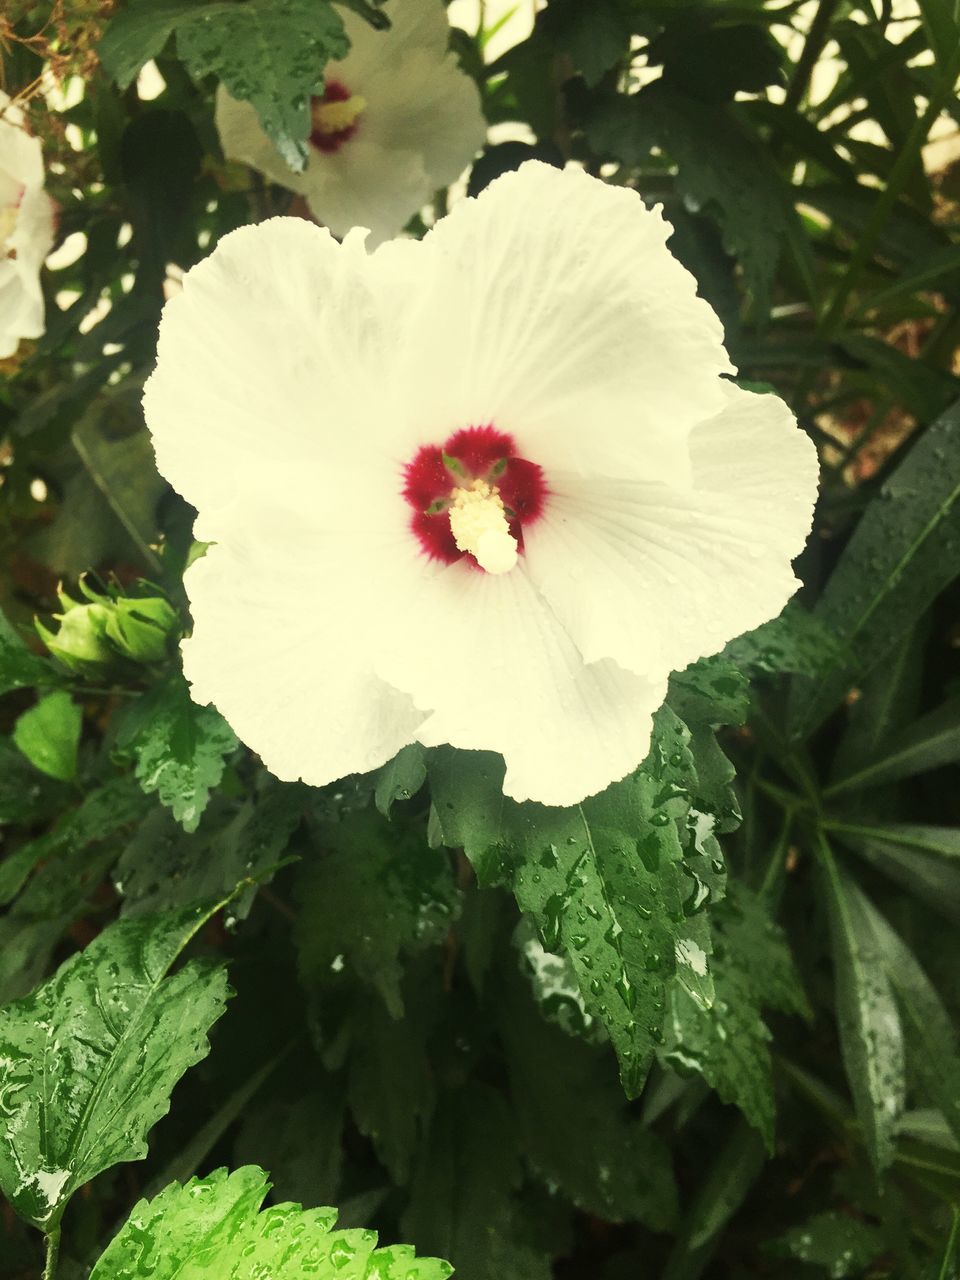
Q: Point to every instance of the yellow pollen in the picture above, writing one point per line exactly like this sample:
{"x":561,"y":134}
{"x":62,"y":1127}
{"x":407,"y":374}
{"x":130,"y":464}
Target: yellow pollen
{"x":8,"y":222}
{"x":479,"y":525}
{"x":332,"y":117}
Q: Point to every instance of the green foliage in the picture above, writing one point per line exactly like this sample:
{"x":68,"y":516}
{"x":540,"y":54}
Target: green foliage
{"x":216,"y":1220}
{"x":704,"y":1024}
{"x":89,"y":1059}
{"x":179,"y":749}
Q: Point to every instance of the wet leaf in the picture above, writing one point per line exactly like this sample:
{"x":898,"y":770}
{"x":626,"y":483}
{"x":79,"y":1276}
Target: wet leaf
{"x":618,"y":883}
{"x":88,"y":1061}
{"x":216,"y":1221}
{"x":871,"y":1035}
{"x":401,"y":778}
{"x":19,"y":668}
{"x":840,"y":1245}
{"x":931,"y":741}
{"x":924,"y":860}
{"x":367,"y":895}
{"x":179,"y":749}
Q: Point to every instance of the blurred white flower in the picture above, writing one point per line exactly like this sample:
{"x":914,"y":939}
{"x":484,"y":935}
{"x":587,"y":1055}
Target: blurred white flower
{"x":487,"y":489}
{"x":397,"y":121}
{"x":27,"y":226}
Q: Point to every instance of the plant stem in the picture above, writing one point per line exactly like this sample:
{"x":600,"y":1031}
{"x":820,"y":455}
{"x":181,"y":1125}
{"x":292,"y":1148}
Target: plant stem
{"x":945,"y":1266}
{"x":53,"y":1253}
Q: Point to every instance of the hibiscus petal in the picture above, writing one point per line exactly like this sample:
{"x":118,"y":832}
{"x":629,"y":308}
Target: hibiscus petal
{"x":656,"y":577}
{"x":560,"y":316}
{"x":280,"y":647}
{"x":488,"y":655}
{"x":274,"y":368}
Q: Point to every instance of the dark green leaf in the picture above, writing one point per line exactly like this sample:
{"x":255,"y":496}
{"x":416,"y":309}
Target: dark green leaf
{"x":842,"y":1246}
{"x":594,"y":38}
{"x":461,"y":1203}
{"x":215,"y":1221}
{"x":871,"y":1035}
{"x":795,"y":643}
{"x":901,"y":555}
{"x":88,"y":1061}
{"x":302,"y":1140}
{"x":400,"y":778}
{"x":596,"y":1152}
{"x":49,"y":735}
{"x":924,"y":860}
{"x":138,"y":33}
{"x":19,"y":668}
{"x":931,"y":741}
{"x":367,"y":895}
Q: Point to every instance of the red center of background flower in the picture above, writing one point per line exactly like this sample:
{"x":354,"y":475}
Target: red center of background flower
{"x":473,"y":453}
{"x":324,"y":140}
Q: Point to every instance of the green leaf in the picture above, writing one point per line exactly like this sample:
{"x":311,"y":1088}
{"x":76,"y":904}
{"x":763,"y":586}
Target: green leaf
{"x":727,"y":1043}
{"x":795,"y":643}
{"x":932,"y":1038}
{"x":19,"y":668}
{"x":216,"y":1222}
{"x":597,"y":1152}
{"x":138,"y":33}
{"x":871,"y":1035}
{"x":101,"y":813}
{"x":49,"y":735}
{"x":594,"y":38}
{"x":163,"y":866}
{"x":619,"y":882}
{"x":270,"y":53}
{"x":902,"y":554}
{"x":302,"y":1138}
{"x":391,"y":1089}
{"x":929,"y":742}
{"x":179,"y":748}
{"x":401,"y":778}
{"x":371,"y":895}
{"x":88,"y":1061}
{"x":461,"y":1203}
{"x":722,"y":168}
{"x":924,"y":860}
{"x":842,"y":1246}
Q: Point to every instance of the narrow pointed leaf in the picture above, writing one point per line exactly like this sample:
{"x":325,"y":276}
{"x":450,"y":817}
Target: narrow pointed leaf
{"x":924,"y":860}
{"x":871,"y":1035}
{"x":931,"y":741}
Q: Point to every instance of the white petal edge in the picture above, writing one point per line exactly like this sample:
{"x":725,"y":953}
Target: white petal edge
{"x":656,"y":577}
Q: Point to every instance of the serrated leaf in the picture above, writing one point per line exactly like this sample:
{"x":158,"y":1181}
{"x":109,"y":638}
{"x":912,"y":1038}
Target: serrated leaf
{"x":88,"y":1061}
{"x":270,"y":53}
{"x":400,"y":778}
{"x":391,"y":1088}
{"x":902,"y":554}
{"x":594,"y":38}
{"x":721,"y":168}
{"x":216,"y":1222}
{"x":617,"y":882}
{"x":179,"y":749}
{"x":138,"y":33}
{"x":19,"y":668}
{"x":164,"y":866}
{"x":302,"y":1137}
{"x":461,"y":1203}
{"x":48,"y":734}
{"x":871,"y":1034}
{"x":840,"y":1245}
{"x":101,"y":813}
{"x":368,"y":895}
{"x":728,"y":1042}
{"x":795,"y":643}
{"x":599,"y":1154}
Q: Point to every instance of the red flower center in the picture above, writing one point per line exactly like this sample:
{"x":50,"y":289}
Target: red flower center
{"x":333,"y":126}
{"x":472,"y":459}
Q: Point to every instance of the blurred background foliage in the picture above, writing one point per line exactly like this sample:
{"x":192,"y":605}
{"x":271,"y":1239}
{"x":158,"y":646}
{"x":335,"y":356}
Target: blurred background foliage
{"x":413,"y":1036}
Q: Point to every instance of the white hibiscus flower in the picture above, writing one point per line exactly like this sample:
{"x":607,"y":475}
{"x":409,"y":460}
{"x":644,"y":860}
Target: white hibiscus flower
{"x":487,"y":489}
{"x":397,"y":121}
{"x":26,"y":229}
